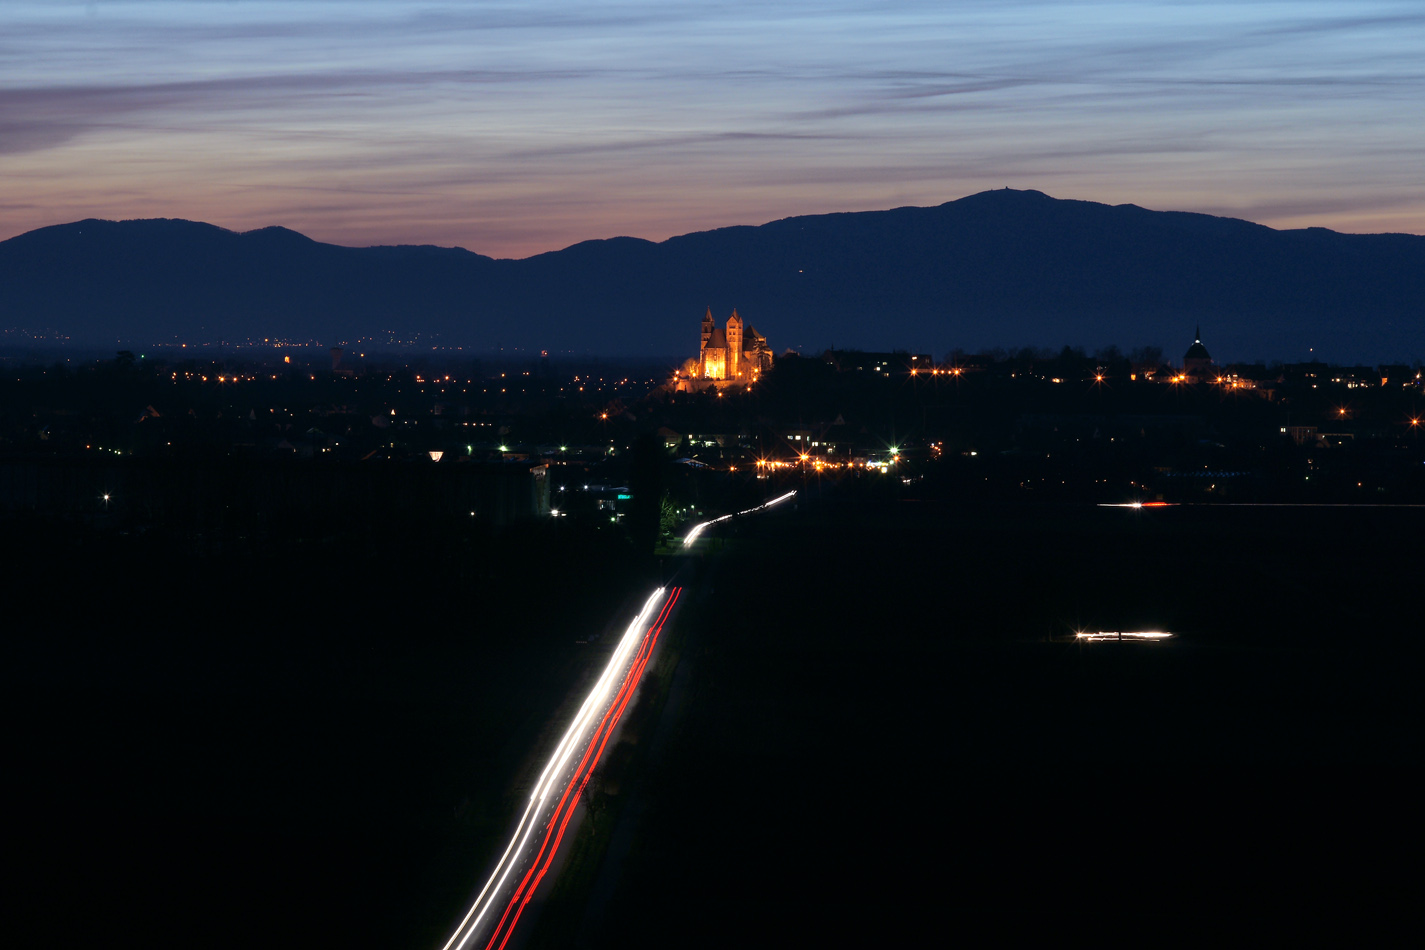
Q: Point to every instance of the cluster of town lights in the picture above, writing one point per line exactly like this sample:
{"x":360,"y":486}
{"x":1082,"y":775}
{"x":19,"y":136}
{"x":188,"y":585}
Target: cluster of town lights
{"x":821,"y":464}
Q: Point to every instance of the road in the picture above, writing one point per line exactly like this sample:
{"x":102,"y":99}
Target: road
{"x":497,"y":909}
{"x":492,"y":918}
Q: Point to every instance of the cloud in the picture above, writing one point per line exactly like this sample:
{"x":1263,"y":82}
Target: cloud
{"x":503,"y":126}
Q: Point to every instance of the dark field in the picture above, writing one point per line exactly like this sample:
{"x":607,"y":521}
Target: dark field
{"x":296,"y":745}
{"x":878,"y":730}
{"x":888,"y":739}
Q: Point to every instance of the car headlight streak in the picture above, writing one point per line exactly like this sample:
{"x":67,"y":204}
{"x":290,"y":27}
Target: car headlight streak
{"x":620,"y":675}
{"x":552,"y":770}
{"x":697,"y":529}
{"x":1092,"y":635}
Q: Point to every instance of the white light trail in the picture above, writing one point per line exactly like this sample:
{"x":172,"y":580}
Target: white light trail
{"x":697,"y":529}
{"x":484,"y":900}
{"x":1139,"y":504}
{"x":1123,"y":635}
{"x":568,"y":745}
{"x":601,"y":688}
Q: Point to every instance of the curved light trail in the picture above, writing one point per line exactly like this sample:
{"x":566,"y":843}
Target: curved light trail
{"x":697,"y":529}
{"x":589,"y":732}
{"x":536,"y":839}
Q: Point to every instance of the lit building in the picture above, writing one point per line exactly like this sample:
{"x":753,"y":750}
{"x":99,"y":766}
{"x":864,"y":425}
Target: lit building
{"x":726,"y":356}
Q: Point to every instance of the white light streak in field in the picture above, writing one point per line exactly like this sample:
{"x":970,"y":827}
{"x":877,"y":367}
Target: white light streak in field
{"x":1123,"y":635}
{"x":1139,"y":504}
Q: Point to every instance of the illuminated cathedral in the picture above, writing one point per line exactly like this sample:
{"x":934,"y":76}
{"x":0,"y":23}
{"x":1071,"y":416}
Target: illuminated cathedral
{"x":726,"y":356}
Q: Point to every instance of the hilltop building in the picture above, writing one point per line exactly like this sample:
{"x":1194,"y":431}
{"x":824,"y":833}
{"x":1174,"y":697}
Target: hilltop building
{"x":726,"y":356}
{"x":1197,"y":362}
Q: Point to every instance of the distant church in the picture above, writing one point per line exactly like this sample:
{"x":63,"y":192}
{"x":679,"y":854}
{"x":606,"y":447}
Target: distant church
{"x":1197,"y":363}
{"x":726,"y":356}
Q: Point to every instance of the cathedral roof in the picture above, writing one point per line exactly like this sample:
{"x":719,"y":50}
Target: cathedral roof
{"x":718,"y":338}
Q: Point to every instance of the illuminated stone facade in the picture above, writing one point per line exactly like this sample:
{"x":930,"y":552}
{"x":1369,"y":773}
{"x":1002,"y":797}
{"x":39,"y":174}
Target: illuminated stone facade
{"x":726,"y":356}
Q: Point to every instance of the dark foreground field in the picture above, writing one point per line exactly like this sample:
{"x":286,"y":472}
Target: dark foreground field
{"x":298,"y":744}
{"x":870,"y":727}
{"x":889,"y":740}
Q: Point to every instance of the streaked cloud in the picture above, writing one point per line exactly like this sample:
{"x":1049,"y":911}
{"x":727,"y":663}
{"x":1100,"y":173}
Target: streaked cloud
{"x":512,"y":128}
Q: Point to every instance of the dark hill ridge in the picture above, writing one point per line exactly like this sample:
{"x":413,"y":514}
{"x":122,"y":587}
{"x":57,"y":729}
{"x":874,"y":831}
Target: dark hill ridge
{"x":998,"y":268}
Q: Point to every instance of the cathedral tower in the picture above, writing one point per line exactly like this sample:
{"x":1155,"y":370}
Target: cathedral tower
{"x":734,"y":346}
{"x":726,"y":356}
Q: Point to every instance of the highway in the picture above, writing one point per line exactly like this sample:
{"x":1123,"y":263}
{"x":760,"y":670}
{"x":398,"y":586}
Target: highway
{"x":496,"y":911}
{"x":491,"y":920}
{"x":696,"y":531}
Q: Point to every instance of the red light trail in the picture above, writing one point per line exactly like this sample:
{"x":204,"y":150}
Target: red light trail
{"x":564,"y":811}
{"x":546,"y":819}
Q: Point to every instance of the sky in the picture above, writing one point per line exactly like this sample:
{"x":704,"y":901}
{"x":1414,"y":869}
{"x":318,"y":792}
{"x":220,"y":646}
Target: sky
{"x":516,"y":128}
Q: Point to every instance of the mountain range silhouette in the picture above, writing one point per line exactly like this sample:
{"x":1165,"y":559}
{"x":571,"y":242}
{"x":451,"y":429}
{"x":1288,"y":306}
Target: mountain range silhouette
{"x":999,"y":268}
